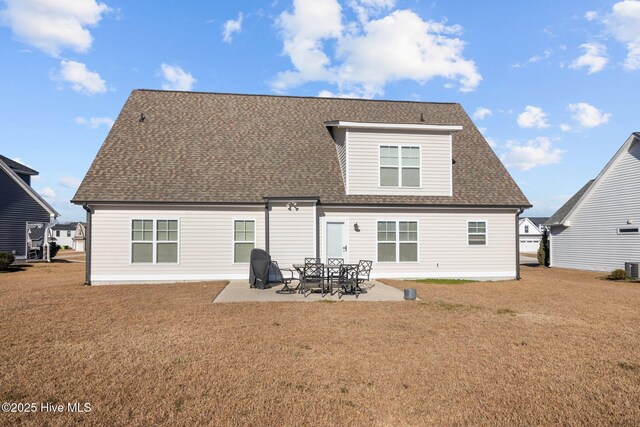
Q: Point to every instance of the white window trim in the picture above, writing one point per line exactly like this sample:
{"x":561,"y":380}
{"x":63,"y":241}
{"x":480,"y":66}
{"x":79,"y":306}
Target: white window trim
{"x":233,"y":238}
{"x":634,"y":233}
{"x":397,"y":241}
{"x":400,"y":146}
{"x":154,"y":240}
{"x":486,"y":233}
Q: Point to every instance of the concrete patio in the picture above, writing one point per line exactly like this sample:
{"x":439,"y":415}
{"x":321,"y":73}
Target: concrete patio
{"x":239,"y":291}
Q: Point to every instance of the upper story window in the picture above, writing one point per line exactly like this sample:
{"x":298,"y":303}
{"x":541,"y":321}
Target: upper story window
{"x":399,"y":166}
{"x":526,"y":228}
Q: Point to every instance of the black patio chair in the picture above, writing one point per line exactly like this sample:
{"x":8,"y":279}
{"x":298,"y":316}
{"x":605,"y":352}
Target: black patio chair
{"x":312,"y":277}
{"x":333,"y":271}
{"x":364,"y":270}
{"x":276,"y":275}
{"x":308,"y":260}
{"x":348,"y":281}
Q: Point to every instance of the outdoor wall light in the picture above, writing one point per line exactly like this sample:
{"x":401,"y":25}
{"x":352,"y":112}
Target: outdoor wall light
{"x":356,"y":227}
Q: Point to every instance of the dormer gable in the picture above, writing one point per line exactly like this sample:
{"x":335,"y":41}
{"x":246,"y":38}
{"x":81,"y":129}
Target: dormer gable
{"x":395,"y":158}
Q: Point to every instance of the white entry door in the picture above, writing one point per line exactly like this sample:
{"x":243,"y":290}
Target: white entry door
{"x":336,"y":242}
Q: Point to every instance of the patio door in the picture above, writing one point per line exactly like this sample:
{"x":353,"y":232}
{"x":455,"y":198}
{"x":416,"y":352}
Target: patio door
{"x":336,"y":241}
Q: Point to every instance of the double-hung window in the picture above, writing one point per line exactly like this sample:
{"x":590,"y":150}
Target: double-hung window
{"x":154,"y":241}
{"x":477,"y":233}
{"x":397,"y":241}
{"x":244,"y":239}
{"x":399,"y":166}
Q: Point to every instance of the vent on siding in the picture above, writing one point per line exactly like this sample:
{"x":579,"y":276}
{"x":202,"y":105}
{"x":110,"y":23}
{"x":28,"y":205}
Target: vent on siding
{"x":632,"y":269}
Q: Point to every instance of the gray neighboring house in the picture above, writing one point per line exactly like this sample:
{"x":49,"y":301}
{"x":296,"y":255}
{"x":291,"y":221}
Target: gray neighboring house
{"x":598,"y":228}
{"x":187,"y":183}
{"x":24,"y":215}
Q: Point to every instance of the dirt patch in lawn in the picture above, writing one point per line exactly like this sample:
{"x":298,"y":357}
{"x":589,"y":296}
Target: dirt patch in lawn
{"x":557,"y":347}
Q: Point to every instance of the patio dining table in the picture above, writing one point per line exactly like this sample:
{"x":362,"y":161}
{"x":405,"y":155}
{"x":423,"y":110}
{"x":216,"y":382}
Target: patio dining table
{"x":326,"y":268}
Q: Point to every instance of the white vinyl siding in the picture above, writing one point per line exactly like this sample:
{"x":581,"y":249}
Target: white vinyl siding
{"x":244,"y":239}
{"x":442,"y":246}
{"x":205,"y":249}
{"x":363,"y":162}
{"x":292,"y":231}
{"x":340,"y":137}
{"x":592,"y":241}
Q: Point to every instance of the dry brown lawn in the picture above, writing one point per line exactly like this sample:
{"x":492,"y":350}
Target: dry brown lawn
{"x":558,"y":347}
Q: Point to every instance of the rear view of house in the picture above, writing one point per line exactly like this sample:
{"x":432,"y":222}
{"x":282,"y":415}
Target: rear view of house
{"x":24,"y":215}
{"x":186,"y":184}
{"x":598,"y":228}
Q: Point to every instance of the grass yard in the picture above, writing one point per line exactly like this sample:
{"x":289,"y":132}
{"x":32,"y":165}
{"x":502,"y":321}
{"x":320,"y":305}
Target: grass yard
{"x":558,"y":347}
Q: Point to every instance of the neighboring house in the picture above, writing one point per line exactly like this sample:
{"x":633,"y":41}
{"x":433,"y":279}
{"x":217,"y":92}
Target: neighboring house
{"x":530,"y":234}
{"x":79,"y":237}
{"x":24,"y":215}
{"x":598,"y":228}
{"x":186,"y":184}
{"x":65,"y":234}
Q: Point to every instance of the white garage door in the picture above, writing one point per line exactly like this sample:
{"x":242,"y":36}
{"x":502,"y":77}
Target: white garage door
{"x":529,"y":245}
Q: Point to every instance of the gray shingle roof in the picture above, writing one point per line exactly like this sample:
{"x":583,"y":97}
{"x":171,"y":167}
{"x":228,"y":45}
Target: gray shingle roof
{"x":210,"y":147}
{"x":537,"y":220}
{"x":561,"y":214}
{"x":18,"y":167}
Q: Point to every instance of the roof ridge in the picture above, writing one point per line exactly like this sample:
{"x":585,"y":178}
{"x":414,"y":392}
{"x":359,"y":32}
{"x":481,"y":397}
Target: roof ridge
{"x":292,"y":96}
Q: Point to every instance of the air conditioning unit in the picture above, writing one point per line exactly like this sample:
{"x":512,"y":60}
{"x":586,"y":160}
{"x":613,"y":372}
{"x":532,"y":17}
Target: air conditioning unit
{"x":632,"y":269}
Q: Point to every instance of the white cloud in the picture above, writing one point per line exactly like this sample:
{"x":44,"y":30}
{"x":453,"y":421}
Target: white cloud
{"x":533,"y":117}
{"x":492,"y":142}
{"x":588,"y":116}
{"x":69,"y":182}
{"x":365,"y":8}
{"x":363,"y":57}
{"x":81,"y":79}
{"x":481,"y":113}
{"x":53,"y":25}
{"x":591,"y":15}
{"x":624,"y":24}
{"x":175,"y":78}
{"x":545,"y":55}
{"x":94,"y":122}
{"x":564,"y":127}
{"x":48,"y":193}
{"x":231,"y":27}
{"x":531,"y":154}
{"x":594,"y":58}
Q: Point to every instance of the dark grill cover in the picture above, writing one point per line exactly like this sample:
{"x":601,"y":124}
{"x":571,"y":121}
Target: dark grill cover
{"x":259,"y":262}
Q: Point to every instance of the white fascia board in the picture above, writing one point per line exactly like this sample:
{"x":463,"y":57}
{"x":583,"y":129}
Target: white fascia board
{"x":29,"y":190}
{"x":566,"y":221}
{"x":397,"y":126}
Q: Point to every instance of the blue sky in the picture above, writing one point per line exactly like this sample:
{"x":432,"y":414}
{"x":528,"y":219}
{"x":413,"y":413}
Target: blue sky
{"x":552,"y":85}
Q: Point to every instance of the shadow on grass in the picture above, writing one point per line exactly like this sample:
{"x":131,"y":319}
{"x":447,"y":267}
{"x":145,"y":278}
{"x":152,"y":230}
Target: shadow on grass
{"x":15,"y":268}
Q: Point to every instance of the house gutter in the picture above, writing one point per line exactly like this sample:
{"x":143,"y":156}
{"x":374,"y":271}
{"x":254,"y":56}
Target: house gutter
{"x":87,"y":245}
{"x":518,"y":243}
{"x":266,"y":227}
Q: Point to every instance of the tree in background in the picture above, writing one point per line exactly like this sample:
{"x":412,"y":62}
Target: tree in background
{"x":543,"y":250}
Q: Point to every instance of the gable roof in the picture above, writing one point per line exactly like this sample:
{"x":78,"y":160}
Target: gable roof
{"x":537,"y":220}
{"x":195,"y":147}
{"x":65,"y":226}
{"x":18,"y":167}
{"x":26,"y":187}
{"x":563,"y":214}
